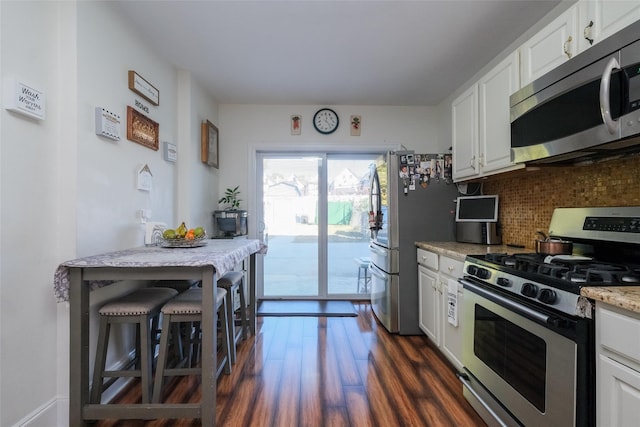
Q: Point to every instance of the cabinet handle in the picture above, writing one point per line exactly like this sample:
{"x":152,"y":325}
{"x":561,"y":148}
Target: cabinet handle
{"x":451,"y":268}
{"x":566,"y":47}
{"x":587,"y":33}
{"x":481,"y":160}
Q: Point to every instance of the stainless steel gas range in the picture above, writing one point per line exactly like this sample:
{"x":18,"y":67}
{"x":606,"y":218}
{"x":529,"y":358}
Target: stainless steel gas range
{"x":529,"y":336}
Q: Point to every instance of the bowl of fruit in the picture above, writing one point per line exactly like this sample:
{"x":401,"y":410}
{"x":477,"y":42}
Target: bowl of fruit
{"x":183,"y":237}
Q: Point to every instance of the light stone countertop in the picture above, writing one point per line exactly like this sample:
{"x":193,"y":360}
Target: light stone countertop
{"x":459,"y":251}
{"x":626,"y":297}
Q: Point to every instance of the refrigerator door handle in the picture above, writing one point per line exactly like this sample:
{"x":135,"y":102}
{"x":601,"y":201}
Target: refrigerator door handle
{"x":377,"y":251}
{"x":377,"y":272}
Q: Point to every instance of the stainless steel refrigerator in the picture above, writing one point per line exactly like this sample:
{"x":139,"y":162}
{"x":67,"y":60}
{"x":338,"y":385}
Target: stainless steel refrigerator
{"x":411,"y":198}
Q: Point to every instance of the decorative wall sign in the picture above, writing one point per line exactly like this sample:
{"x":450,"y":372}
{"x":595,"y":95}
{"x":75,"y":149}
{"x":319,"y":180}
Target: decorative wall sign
{"x":356,"y":123}
{"x":170,"y":152}
{"x":209,"y":144}
{"x":296,"y":124}
{"x":107,"y":124}
{"x":24,"y":99}
{"x":142,"y":129}
{"x":143,"y":88}
{"x":145,"y":178}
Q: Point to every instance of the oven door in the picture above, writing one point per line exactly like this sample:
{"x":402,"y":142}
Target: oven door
{"x":511,"y":353}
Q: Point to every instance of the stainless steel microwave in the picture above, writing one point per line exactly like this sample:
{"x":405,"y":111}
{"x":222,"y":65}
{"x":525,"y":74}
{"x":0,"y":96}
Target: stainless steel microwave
{"x":589,"y":107}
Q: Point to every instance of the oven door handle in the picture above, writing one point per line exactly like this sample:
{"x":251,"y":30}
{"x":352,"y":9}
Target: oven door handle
{"x":507,"y":303}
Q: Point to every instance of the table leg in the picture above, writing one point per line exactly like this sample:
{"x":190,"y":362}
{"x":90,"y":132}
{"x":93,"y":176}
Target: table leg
{"x":78,"y":347}
{"x":252,"y":294}
{"x":209,"y":352}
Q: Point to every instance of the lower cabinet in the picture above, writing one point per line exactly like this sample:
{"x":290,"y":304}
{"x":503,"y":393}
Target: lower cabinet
{"x":618,"y":366}
{"x":440,"y":302}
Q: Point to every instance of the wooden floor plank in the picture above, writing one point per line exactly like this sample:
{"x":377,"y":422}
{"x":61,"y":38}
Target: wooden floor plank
{"x":338,"y":371}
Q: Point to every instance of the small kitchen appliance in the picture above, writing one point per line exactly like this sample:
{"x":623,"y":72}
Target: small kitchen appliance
{"x":529,"y":336}
{"x":477,"y":220}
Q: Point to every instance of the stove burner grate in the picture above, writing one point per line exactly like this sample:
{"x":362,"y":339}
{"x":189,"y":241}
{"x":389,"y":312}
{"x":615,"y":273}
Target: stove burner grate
{"x":578,"y":270}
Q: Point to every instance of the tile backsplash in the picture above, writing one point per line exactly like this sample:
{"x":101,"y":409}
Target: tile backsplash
{"x":528,"y":198}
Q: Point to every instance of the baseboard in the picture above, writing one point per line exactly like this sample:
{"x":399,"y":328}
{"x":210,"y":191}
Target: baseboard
{"x":55,"y":413}
{"x":46,"y":415}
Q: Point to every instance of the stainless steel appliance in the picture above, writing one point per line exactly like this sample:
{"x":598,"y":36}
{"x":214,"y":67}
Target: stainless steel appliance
{"x":529,"y":356}
{"x":484,"y":233}
{"x":411,"y":199}
{"x":477,"y":220}
{"x":586,"y":108}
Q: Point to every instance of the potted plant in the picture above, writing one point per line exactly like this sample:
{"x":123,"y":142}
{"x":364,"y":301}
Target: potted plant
{"x":231,"y":221}
{"x":231,"y":198}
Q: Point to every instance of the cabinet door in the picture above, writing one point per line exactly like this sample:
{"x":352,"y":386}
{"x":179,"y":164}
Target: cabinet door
{"x":451,"y":335}
{"x":601,"y":18}
{"x":494,"y":89}
{"x":618,"y":394}
{"x":429,"y":302}
{"x":464,"y":118}
{"x":550,"y":47}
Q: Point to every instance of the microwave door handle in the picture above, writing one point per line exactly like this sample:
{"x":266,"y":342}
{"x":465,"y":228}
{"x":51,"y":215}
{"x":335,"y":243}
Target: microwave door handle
{"x":605,"y":89}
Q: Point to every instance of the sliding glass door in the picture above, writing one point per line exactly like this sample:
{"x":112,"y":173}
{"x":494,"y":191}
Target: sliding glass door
{"x":314,"y":213}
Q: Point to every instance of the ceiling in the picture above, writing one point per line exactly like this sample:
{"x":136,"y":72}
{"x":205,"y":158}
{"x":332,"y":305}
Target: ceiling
{"x":325,"y":52}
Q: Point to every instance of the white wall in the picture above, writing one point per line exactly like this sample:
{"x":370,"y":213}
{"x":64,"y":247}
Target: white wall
{"x":66,"y":193}
{"x":28,"y":216}
{"x":245,"y":129}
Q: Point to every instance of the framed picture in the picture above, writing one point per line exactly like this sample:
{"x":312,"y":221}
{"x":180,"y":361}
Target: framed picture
{"x":356,"y":122}
{"x":143,"y":88}
{"x":142,"y":129}
{"x":296,"y":124}
{"x":209,"y":149}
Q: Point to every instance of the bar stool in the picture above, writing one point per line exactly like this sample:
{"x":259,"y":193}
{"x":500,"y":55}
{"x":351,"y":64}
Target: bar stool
{"x":139,"y":307}
{"x":232,"y":282}
{"x":187,"y":307}
{"x":363,"y":273}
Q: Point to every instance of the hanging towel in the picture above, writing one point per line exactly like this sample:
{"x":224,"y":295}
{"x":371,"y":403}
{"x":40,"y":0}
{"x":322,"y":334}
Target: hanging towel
{"x":452,"y":302}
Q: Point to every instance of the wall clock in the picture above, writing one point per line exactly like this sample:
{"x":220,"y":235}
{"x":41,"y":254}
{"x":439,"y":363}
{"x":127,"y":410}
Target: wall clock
{"x":326,"y":121}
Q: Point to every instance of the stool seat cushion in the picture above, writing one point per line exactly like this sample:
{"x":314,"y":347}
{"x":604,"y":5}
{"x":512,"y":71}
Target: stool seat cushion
{"x":139,"y":302}
{"x":230,"y":279}
{"x":190,"y":302}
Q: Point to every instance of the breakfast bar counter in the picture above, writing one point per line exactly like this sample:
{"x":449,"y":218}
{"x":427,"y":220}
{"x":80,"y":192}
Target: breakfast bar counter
{"x":74,"y":280}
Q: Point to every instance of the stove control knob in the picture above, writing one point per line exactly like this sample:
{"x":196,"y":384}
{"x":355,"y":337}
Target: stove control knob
{"x":483,"y":273}
{"x":547,"y":296}
{"x":529,"y":290}
{"x":503,"y":281}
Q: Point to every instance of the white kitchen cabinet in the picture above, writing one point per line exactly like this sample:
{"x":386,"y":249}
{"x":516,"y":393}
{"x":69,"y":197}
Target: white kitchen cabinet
{"x":429,"y":307}
{"x":598,"y":19}
{"x":464,"y":118}
{"x":481,"y":132}
{"x":434,"y":275}
{"x":553,"y":45}
{"x":494,"y":140}
{"x":618,"y":366}
{"x":451,"y":339}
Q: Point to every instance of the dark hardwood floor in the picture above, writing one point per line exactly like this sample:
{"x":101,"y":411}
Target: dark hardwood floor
{"x":327,"y":371}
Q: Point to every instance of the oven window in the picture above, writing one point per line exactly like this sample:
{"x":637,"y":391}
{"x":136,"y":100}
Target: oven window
{"x":518,"y":356}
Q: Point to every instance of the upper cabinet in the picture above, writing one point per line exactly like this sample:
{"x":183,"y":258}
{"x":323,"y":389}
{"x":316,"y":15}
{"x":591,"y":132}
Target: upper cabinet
{"x":576,"y":30}
{"x":481,"y":131}
{"x":464,"y":134}
{"x":601,"y":18}
{"x":550,"y":47}
{"x":494,"y":90}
